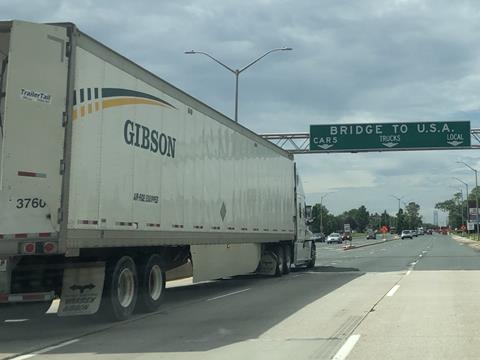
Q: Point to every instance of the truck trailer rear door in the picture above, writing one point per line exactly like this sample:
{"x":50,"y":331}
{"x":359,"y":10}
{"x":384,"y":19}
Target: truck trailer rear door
{"x":34,"y":82}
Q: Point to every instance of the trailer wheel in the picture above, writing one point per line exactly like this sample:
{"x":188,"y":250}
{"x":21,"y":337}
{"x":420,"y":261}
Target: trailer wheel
{"x":121,"y":289}
{"x":287,"y":262}
{"x":279,"y":255}
{"x":152,"y":285}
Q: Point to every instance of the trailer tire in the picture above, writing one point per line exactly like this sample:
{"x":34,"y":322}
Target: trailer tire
{"x":279,"y":256}
{"x":121,"y":289}
{"x":287,"y":260}
{"x":152,"y":285}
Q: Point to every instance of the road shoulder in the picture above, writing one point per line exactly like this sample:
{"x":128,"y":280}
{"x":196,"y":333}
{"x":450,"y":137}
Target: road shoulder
{"x":471,"y":243}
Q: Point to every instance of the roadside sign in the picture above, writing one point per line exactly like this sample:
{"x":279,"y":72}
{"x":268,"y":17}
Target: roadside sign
{"x":470,"y":226}
{"x":390,"y":136}
{"x":346,"y":227}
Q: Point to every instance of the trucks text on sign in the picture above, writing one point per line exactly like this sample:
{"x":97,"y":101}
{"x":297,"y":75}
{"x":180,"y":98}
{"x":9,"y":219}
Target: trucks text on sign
{"x":390,"y":136}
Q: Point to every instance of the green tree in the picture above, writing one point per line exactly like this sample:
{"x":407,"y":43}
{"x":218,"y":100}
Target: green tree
{"x":374,"y":221}
{"x":455,"y":207}
{"x":414,"y":219}
{"x":402,"y":222}
{"x":319,"y":216}
{"x":363,"y":218}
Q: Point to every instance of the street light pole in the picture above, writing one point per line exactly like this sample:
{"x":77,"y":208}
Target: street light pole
{"x":321,"y":211}
{"x":476,"y":195}
{"x":237,"y":72}
{"x":466,"y":196}
{"x":399,"y":199}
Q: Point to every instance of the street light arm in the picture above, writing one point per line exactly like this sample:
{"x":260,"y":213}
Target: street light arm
{"x":211,"y":57}
{"x":463,"y":182}
{"x":261,"y":57}
{"x":324,"y":196}
{"x":396,"y":197}
{"x":471,"y":168}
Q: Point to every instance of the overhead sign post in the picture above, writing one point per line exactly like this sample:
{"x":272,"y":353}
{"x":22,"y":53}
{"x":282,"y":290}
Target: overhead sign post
{"x":390,"y":136}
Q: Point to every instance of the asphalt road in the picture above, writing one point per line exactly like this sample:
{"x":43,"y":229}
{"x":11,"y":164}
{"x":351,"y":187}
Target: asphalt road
{"x":400,"y":299}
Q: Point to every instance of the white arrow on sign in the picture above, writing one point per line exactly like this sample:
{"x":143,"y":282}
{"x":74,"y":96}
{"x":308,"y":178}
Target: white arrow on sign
{"x":325,"y":146}
{"x":454,"y":143}
{"x":390,"y":144}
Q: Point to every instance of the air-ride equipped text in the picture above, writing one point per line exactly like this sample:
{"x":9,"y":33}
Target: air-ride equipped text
{"x":145,"y":198}
{"x":149,"y":139}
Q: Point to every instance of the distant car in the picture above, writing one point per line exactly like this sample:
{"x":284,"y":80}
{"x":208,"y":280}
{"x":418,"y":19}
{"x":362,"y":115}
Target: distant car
{"x":414,"y":233}
{"x":429,"y":232}
{"x":319,"y":237}
{"x":334,"y":238}
{"x":406,"y":234}
{"x":420,"y":231}
{"x":347,"y":236}
{"x":371,"y":235}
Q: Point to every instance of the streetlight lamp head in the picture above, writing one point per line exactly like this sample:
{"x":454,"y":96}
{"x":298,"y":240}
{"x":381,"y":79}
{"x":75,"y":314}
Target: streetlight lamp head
{"x":286,"y":48}
{"x":190,"y":52}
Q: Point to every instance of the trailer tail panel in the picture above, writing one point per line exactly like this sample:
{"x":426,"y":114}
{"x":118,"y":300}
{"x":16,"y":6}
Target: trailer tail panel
{"x":32,"y":134}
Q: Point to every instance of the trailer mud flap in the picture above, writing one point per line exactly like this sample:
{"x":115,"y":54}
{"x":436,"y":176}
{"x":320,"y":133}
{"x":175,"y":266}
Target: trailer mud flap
{"x":268,"y":264}
{"x":82,"y":290}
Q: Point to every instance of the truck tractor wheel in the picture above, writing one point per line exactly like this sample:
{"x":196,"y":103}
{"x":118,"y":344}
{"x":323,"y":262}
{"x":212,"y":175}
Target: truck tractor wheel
{"x":313,"y":257}
{"x":120,"y":290}
{"x":152,"y":285}
{"x":280,"y":256}
{"x":287,"y":260}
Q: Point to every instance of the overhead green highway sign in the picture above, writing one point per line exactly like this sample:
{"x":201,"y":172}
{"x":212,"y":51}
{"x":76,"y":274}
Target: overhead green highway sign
{"x":390,"y":136}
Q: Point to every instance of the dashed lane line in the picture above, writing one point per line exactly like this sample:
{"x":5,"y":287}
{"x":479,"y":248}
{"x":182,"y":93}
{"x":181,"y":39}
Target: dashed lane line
{"x":225,"y":295}
{"x":393,"y":290}
{"x":347,"y":347}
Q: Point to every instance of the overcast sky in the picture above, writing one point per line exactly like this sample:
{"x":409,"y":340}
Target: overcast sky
{"x":353,"y":61}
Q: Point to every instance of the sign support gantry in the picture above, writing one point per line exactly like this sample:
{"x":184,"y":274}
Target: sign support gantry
{"x":299,"y":142}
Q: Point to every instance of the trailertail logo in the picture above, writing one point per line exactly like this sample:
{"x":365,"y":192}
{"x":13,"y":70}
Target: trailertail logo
{"x":90,"y":100}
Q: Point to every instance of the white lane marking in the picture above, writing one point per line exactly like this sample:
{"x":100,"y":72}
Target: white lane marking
{"x":232,"y":293}
{"x":15,"y":320}
{"x":413,"y":263}
{"x":393,"y":290}
{"x":420,"y":255}
{"x":408,"y":272}
{"x":424,"y":251}
{"x":47,"y":349}
{"x":346,"y":348}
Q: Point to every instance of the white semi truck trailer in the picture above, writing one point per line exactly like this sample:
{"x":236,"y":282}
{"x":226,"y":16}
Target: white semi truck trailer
{"x":110,"y":176}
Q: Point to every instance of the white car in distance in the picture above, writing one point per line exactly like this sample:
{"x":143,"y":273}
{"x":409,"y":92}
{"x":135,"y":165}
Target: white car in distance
{"x":334,"y":238}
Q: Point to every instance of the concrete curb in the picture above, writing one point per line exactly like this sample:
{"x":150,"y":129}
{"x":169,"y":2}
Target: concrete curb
{"x":351,"y":247}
